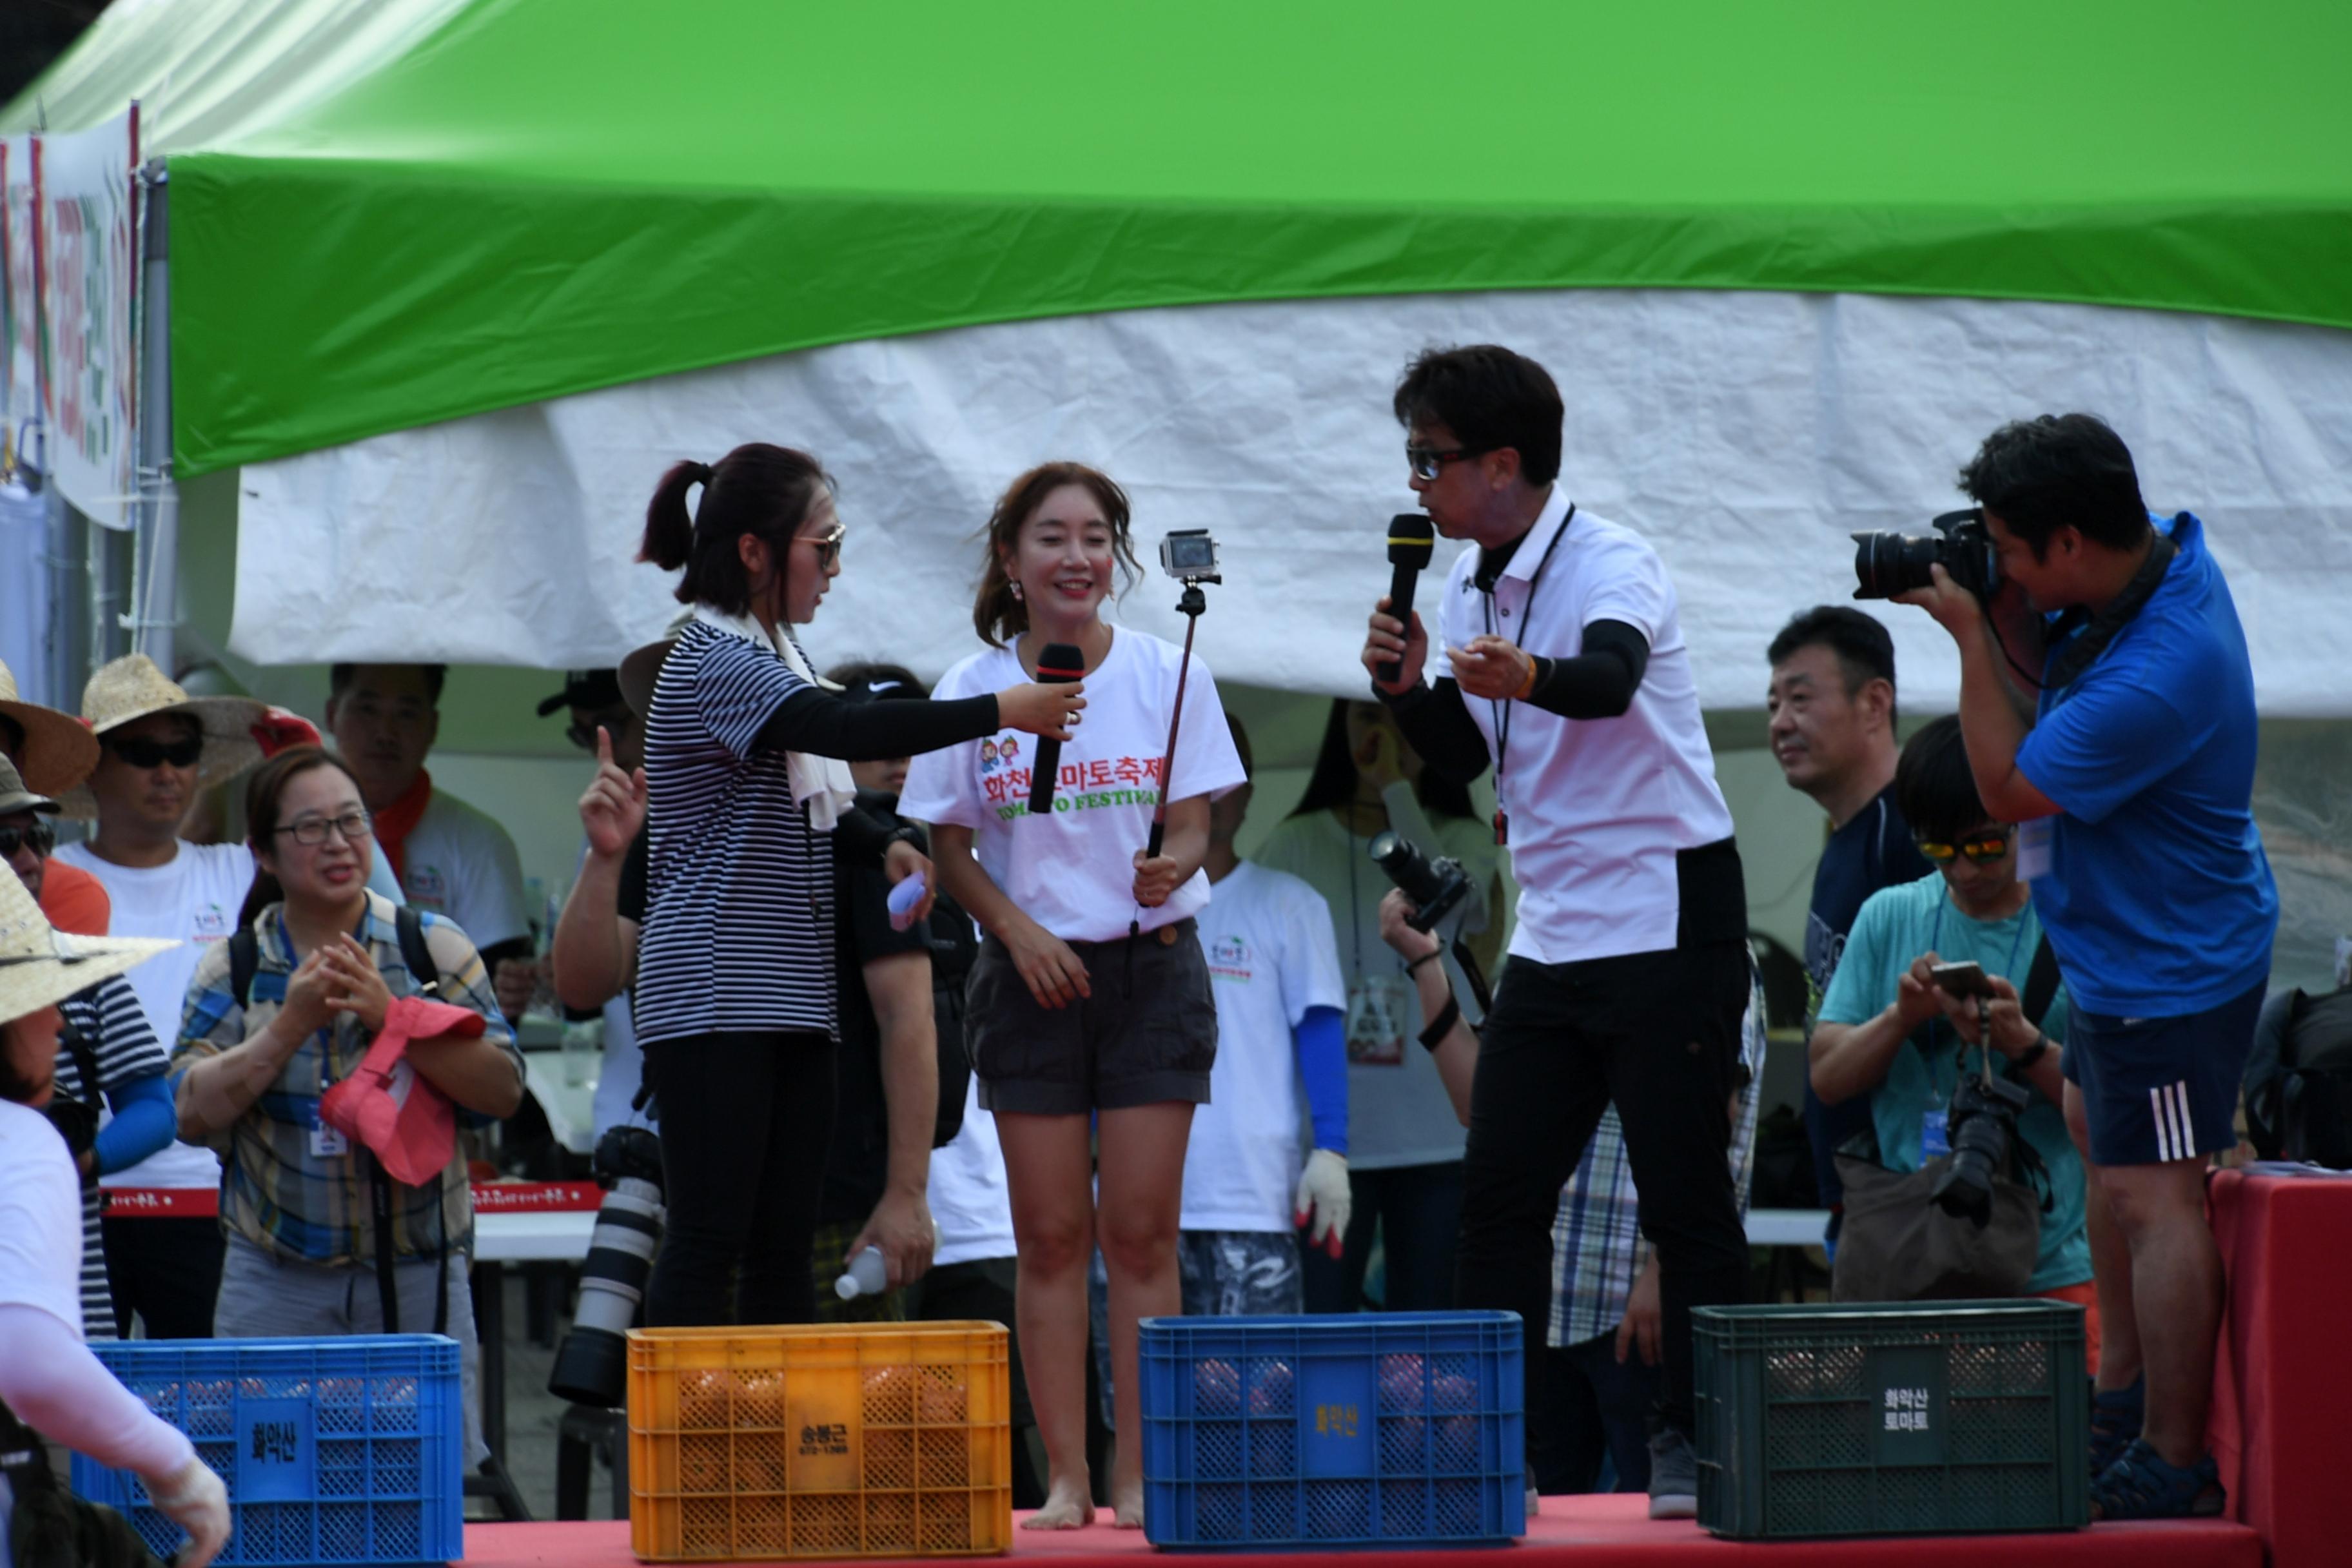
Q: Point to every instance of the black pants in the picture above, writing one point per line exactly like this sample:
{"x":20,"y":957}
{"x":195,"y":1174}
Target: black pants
{"x":982,"y":1289}
{"x":746,"y":1121}
{"x":167,"y":1272}
{"x":1659,"y":1034}
{"x":1418,"y":1211}
{"x":1597,"y":1408}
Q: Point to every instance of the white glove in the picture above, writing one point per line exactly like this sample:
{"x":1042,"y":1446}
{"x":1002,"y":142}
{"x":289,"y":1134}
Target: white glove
{"x":1324,"y":1197}
{"x":194,"y":1499}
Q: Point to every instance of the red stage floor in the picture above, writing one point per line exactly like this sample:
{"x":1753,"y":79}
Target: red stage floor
{"x":1589,"y":1532}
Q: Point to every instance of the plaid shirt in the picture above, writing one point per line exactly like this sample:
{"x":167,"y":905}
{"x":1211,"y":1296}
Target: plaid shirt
{"x":1596,"y":1238}
{"x":275,"y":1192}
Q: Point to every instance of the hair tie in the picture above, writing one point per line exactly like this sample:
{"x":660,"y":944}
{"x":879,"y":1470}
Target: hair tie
{"x":702,"y":473}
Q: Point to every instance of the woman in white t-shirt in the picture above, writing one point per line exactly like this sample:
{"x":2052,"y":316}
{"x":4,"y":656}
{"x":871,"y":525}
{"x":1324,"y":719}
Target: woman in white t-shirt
{"x":1091,"y":993}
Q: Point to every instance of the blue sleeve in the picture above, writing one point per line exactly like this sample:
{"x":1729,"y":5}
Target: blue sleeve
{"x":1322,"y":1038}
{"x":144,"y":1123}
{"x":2117,"y":736}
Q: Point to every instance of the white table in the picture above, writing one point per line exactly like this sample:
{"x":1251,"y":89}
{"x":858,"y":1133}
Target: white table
{"x":570,"y":1113}
{"x":1787,"y":1227}
{"x":532,"y":1237}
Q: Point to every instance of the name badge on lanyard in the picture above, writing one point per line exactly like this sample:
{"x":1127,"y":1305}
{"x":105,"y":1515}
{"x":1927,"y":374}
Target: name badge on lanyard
{"x":327,"y":1142}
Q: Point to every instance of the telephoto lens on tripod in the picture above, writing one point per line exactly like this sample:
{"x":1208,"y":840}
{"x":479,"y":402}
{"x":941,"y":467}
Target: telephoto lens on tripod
{"x":591,"y":1365}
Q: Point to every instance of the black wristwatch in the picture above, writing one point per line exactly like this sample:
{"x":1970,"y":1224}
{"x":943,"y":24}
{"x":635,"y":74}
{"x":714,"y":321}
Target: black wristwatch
{"x":2033,"y":1053}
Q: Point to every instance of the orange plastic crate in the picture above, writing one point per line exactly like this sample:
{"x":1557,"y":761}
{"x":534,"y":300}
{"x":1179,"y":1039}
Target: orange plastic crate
{"x":883,"y":1441}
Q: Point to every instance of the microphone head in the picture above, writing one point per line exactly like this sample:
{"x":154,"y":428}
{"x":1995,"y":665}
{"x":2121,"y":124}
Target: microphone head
{"x":1060,"y":661}
{"x":1411,"y":540}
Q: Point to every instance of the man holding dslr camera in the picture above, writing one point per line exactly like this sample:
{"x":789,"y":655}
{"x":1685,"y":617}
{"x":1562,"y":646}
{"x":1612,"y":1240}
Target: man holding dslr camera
{"x":1560,"y":658}
{"x":2135,"y":788}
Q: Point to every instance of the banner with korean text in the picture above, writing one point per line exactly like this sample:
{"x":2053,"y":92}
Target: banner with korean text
{"x":20,"y":316}
{"x":89,"y":270}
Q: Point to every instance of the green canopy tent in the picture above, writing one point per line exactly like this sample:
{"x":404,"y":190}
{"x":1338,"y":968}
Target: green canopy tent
{"x":452,"y":280}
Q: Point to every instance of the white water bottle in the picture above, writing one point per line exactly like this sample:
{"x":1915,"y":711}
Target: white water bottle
{"x":866,"y":1277}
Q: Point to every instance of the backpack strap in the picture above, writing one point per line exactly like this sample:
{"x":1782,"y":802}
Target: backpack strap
{"x":2041,"y":982}
{"x":244,"y":961}
{"x":416,"y":952}
{"x":85,"y":1061}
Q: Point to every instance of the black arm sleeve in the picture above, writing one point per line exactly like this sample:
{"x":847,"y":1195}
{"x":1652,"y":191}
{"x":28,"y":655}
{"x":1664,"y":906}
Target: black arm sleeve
{"x":1438,"y":724}
{"x":859,"y":834}
{"x":1598,"y":683}
{"x":823,"y":725}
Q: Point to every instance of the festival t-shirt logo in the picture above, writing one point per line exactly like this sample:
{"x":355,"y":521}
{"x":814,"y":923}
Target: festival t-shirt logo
{"x":1229,"y":959}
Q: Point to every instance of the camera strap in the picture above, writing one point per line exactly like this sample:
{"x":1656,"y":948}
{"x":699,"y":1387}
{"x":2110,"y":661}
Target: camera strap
{"x":1501,"y":708}
{"x":2097,"y":631}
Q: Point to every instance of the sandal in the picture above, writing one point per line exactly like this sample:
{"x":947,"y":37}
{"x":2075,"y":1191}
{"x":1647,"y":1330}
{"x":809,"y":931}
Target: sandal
{"x":2116,"y":1416}
{"x":2140,"y":1485}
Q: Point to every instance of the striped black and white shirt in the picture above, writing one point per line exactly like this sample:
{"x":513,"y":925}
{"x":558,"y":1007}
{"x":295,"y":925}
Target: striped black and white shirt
{"x":739,"y":911}
{"x":123,"y":1050}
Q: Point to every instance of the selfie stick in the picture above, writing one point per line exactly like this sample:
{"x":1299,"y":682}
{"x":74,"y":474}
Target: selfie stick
{"x":1190,"y":605}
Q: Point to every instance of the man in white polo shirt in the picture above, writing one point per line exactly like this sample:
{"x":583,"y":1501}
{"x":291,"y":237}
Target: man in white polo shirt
{"x":448,"y":857}
{"x":1560,"y":659}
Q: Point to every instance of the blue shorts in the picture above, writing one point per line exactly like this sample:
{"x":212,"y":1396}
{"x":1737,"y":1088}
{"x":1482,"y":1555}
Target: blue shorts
{"x":2156,"y":1089}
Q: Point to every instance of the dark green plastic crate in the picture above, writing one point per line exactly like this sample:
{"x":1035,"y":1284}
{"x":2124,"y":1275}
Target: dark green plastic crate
{"x":1930,"y":1418}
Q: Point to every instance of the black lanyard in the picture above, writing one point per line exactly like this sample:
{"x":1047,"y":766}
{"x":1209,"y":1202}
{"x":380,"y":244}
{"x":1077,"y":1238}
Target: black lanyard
{"x":1501,"y":708}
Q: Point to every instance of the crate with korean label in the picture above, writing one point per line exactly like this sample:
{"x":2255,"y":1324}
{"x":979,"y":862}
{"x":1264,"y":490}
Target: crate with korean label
{"x":1928,"y":1418}
{"x":1366,"y":1430}
{"x":880,"y":1440}
{"x":346,"y":1450}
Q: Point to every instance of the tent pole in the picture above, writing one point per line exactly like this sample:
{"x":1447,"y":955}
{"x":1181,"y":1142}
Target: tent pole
{"x":154,"y":618}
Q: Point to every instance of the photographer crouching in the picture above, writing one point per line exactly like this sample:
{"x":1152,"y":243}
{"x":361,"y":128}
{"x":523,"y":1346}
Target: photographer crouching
{"x":1561,"y":660}
{"x":2133,"y":777}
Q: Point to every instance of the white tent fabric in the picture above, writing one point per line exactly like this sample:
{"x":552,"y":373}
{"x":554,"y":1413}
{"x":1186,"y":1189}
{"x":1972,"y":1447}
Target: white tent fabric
{"x":1746,"y":434}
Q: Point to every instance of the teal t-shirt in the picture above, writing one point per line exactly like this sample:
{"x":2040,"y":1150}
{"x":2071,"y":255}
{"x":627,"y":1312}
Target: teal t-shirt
{"x":1896,"y":925}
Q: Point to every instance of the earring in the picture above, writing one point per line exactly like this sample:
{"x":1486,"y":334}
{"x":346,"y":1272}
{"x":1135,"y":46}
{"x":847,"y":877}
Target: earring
{"x":1016,"y":593}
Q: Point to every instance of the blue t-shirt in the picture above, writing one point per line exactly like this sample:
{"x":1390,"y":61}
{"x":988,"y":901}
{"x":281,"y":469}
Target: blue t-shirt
{"x":1895,"y":927}
{"x":2158,"y":897}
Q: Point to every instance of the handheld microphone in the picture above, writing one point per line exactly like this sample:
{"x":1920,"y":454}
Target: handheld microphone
{"x":1060,"y":664}
{"x":1412,"y":541}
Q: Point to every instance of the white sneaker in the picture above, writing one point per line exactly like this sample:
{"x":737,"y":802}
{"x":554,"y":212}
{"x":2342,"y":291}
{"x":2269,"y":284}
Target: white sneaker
{"x":1674,"y":1476}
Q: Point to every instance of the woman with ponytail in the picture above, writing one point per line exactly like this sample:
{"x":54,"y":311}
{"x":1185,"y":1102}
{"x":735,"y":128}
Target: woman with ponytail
{"x":750,"y":797}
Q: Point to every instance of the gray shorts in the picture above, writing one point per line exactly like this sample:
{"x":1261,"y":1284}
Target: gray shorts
{"x":263,"y":1296}
{"x":1147,"y":1034}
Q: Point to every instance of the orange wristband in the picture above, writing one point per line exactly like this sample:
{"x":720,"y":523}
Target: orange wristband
{"x":1528,"y":685}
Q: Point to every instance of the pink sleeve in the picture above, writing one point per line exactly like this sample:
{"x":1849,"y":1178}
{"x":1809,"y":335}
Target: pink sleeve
{"x":51,"y":1380}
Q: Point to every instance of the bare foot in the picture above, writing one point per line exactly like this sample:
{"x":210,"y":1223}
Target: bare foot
{"x":1127,"y":1503}
{"x":1068,"y":1507}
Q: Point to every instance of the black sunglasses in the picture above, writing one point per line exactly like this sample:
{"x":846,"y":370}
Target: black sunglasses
{"x":40,"y":835}
{"x":146,"y":752}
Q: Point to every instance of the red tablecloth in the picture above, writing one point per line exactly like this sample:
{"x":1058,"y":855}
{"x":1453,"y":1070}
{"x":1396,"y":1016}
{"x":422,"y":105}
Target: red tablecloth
{"x":2282,"y":1381}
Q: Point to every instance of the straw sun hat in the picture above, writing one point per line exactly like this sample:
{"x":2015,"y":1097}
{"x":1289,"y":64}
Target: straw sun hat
{"x":131,"y":688}
{"x":40,"y":965}
{"x":60,"y":751}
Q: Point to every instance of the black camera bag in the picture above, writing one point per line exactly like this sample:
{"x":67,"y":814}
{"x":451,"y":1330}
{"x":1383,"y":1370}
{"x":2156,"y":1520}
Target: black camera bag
{"x":2314,"y":1097}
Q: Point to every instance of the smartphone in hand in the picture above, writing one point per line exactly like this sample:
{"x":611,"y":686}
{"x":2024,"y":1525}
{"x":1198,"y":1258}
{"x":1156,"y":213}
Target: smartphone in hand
{"x":1962,"y":980}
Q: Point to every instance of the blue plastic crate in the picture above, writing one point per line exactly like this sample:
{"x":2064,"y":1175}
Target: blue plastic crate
{"x":335,"y":1450}
{"x":1367,"y":1429}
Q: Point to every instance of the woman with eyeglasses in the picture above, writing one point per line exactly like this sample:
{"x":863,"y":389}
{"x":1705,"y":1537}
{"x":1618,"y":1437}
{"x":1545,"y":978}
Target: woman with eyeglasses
{"x":750,"y":797}
{"x":259,"y":1048}
{"x":1090,"y":1003}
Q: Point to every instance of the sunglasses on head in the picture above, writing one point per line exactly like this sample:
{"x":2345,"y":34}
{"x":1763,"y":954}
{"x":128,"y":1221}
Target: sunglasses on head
{"x":40,"y":835}
{"x":146,"y":752}
{"x":1982,"y":849}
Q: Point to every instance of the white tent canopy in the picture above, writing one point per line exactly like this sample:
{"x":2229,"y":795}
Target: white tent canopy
{"x":1746,"y":434}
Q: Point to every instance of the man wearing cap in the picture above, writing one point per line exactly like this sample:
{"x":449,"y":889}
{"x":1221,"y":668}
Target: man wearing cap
{"x":109,"y":1059}
{"x":594,"y":700}
{"x":53,"y":752}
{"x":448,"y":857}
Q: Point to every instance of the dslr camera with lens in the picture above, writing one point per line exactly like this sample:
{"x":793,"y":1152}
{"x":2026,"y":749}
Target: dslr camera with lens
{"x":1433,"y":886}
{"x":1886,"y":564}
{"x":1982,"y":1125}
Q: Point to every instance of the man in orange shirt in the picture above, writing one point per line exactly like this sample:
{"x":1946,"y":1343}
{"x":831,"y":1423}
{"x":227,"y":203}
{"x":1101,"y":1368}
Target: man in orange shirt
{"x":54,"y":752}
